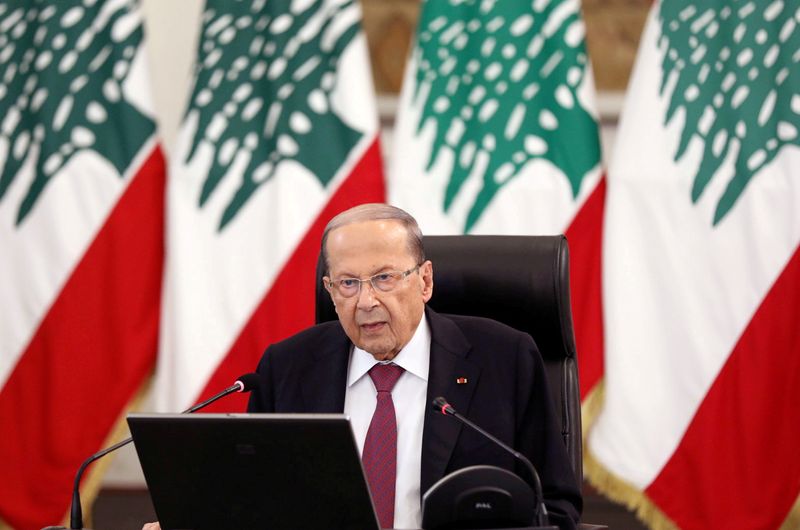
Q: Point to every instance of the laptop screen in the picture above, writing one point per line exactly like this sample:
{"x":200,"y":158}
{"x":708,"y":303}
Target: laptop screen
{"x":253,"y":471}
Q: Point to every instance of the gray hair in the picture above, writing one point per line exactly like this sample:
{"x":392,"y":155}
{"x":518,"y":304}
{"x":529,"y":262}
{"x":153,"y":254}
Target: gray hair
{"x":376,"y":212}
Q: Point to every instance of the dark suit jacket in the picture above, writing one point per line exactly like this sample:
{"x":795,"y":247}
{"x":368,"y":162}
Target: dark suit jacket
{"x":506,"y":394}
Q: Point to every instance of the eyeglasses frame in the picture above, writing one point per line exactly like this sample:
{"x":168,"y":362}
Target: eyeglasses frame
{"x":403,"y":275}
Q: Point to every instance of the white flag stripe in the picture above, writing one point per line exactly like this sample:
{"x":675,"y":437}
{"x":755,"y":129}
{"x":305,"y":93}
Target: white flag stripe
{"x":679,"y":292}
{"x":353,"y":96}
{"x":538,"y":200}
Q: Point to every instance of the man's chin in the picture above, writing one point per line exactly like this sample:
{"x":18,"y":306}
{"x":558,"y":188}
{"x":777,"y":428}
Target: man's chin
{"x":384,"y":356}
{"x":379,"y":353}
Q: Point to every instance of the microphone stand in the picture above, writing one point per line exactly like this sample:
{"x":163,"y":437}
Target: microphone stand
{"x":441,"y":405}
{"x":243,"y":384}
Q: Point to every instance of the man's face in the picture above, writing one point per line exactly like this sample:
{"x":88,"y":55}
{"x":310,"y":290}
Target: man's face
{"x":379,"y":322}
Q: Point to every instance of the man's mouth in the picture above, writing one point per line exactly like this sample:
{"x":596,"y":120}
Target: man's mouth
{"x":372,"y":326}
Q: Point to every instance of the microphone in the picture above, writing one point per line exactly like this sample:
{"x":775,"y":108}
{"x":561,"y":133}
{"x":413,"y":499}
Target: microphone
{"x":441,"y":405}
{"x":245,"y":383}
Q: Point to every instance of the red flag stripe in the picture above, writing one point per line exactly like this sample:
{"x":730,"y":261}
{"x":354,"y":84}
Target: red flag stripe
{"x":741,"y":448}
{"x":289,"y":305}
{"x":585,"y":236}
{"x":90,"y":354}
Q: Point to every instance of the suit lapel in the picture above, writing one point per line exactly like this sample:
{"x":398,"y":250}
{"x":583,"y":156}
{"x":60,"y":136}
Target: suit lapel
{"x":449,"y":363}
{"x":324,"y":377}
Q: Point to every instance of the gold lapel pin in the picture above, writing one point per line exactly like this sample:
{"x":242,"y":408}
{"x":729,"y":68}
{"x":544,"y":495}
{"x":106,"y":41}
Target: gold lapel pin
{"x":461,"y":381}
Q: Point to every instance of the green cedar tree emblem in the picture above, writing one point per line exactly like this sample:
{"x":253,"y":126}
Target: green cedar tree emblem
{"x":500,"y":80}
{"x":264,"y":80}
{"x":733,"y":69}
{"x":62,"y":67}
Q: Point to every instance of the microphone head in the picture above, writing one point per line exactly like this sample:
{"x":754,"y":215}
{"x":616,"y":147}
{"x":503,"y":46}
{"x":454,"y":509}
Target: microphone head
{"x":441,"y":405}
{"x":248,"y":382}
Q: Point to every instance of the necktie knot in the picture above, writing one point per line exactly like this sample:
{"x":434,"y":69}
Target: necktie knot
{"x":385,"y":376}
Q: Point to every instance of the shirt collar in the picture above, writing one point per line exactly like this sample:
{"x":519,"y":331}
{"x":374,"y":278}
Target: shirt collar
{"x":413,"y":358}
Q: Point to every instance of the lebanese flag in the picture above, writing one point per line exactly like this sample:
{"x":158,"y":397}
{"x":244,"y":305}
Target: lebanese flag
{"x":702,"y":273}
{"x":81,"y":233}
{"x":280,"y":135}
{"x":497,"y":134}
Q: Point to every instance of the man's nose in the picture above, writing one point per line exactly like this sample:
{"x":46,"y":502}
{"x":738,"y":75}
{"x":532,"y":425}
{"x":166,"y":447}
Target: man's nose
{"x":366,"y":296}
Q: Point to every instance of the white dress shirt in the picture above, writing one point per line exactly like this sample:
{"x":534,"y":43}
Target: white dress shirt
{"x":409,"y":396}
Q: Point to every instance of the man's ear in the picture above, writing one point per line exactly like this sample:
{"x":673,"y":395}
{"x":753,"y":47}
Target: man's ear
{"x":426,"y":274}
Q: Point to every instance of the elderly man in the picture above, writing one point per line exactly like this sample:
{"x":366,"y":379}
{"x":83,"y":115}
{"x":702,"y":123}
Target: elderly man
{"x":389,"y":355}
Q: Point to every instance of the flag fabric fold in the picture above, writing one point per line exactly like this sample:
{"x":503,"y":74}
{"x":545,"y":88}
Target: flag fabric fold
{"x":701,"y":273}
{"x":81,"y":232}
{"x":497,"y":134}
{"x":279,"y":136}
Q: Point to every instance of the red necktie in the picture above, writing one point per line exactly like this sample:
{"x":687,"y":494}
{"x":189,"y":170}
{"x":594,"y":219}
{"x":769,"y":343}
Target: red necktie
{"x":380,"y":447}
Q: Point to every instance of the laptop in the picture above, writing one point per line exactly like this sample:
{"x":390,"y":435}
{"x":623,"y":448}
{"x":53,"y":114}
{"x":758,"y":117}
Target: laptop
{"x":253,"y":471}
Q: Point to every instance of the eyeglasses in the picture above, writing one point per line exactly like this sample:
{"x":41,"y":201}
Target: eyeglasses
{"x":383,"y":282}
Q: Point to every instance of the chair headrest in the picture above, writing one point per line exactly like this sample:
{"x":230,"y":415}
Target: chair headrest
{"x":522,"y":281}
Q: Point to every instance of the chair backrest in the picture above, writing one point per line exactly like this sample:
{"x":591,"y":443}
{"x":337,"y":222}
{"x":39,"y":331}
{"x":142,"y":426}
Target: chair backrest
{"x":522,"y":281}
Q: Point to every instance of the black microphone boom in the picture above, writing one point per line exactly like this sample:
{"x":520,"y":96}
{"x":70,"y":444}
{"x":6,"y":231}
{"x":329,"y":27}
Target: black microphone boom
{"x":245,"y":383}
{"x":441,"y":405}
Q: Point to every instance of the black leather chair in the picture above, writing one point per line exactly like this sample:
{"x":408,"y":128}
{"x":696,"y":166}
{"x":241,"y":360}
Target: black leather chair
{"x":522,"y":281}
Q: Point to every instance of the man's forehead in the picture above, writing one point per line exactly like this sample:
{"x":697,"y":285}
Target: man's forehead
{"x":366,"y":235}
{"x":377,"y":244}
